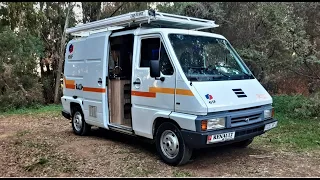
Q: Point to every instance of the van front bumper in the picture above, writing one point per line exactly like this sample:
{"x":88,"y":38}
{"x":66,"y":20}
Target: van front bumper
{"x":199,"y":139}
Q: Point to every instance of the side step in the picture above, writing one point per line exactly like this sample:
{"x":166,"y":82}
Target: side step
{"x":121,"y":128}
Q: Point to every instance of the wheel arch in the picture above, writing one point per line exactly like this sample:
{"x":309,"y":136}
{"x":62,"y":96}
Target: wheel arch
{"x":76,"y":104}
{"x":160,"y":120}
{"x":181,"y":120}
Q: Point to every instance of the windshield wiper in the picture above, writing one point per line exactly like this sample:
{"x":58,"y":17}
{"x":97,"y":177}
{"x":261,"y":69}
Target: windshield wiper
{"x":224,"y":74}
{"x":248,"y":75}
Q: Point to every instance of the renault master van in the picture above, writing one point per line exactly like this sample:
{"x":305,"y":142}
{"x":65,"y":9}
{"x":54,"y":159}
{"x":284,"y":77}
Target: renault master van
{"x":159,"y":76}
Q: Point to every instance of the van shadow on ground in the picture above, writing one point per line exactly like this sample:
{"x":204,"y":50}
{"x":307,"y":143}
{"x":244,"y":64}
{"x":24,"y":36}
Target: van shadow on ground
{"x":223,"y":153}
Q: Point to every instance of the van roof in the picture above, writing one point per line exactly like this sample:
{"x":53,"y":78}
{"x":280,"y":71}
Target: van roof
{"x":177,"y":31}
{"x":143,"y":30}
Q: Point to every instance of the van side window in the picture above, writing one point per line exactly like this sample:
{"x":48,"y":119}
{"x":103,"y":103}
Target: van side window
{"x":165,"y":64}
{"x":150,"y":51}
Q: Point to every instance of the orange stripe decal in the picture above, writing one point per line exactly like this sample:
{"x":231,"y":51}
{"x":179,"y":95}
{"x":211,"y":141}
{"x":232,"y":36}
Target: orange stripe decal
{"x":184,"y":92}
{"x":70,"y":81}
{"x":143,"y":94}
{"x":90,"y":89}
{"x":161,"y":90}
{"x":153,"y":90}
{"x":70,"y":86}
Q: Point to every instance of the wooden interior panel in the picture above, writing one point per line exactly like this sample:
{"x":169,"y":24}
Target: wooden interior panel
{"x":120,"y":102}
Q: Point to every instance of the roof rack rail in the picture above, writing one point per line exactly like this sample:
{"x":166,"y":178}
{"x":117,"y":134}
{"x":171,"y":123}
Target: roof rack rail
{"x":150,"y":17}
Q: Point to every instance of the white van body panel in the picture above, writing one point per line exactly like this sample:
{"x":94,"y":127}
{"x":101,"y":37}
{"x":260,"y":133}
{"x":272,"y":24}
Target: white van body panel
{"x":224,"y":98}
{"x":185,"y":121}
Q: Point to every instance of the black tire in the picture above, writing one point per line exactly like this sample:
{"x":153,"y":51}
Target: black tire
{"x":184,"y":153}
{"x":243,"y":144}
{"x":85,"y":128}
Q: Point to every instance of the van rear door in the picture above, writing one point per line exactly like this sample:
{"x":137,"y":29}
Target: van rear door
{"x":95,"y":102}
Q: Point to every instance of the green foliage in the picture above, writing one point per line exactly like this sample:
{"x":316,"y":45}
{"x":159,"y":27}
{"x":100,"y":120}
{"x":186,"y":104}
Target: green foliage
{"x":298,"y":106}
{"x":35,"y":109}
{"x":298,"y":124}
{"x":173,"y":8}
{"x":91,"y":11}
{"x":30,"y":35}
{"x":18,"y":61}
{"x":298,"y":134}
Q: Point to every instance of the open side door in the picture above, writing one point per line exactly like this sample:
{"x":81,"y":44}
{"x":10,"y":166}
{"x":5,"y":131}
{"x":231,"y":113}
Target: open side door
{"x":95,"y":100}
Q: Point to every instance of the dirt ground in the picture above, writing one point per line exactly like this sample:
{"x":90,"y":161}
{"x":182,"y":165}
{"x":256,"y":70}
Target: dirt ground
{"x":44,"y":145}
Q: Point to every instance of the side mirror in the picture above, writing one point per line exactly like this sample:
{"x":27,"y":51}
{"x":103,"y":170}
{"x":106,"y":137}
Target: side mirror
{"x":154,"y":68}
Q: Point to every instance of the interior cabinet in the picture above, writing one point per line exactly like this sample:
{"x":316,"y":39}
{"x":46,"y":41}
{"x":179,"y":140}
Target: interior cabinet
{"x":120,"y":101}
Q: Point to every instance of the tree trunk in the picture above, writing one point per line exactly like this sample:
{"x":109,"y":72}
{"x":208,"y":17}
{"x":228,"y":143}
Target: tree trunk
{"x":61,"y":59}
{"x":99,"y":12}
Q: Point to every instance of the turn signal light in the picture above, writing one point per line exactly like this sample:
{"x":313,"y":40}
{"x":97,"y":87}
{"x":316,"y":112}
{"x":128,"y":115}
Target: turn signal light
{"x":272,"y":114}
{"x":203,"y":125}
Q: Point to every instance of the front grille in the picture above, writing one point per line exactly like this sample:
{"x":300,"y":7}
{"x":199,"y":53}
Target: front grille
{"x":249,"y":131}
{"x":245,"y":118}
{"x":249,"y":108}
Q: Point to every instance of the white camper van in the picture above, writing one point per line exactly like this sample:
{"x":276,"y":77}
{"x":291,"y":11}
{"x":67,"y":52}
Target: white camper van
{"x":155,"y":75}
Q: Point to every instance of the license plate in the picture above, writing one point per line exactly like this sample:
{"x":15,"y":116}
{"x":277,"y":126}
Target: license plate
{"x":270,"y":126}
{"x":221,"y":137}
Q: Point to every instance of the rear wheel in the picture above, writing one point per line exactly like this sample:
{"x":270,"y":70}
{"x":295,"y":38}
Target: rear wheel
{"x":79,"y":126}
{"x":170,"y":145}
{"x":243,"y":144}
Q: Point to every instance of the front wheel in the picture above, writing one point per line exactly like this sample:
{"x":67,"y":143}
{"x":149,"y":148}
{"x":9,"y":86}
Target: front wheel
{"x":79,"y":126}
{"x":170,"y":145}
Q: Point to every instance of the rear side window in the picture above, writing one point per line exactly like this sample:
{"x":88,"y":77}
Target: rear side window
{"x":153,"y":49}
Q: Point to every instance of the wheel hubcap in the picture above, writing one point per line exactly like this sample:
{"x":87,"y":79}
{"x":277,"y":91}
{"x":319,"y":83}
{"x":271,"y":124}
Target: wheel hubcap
{"x":77,"y":121}
{"x":169,"y":144}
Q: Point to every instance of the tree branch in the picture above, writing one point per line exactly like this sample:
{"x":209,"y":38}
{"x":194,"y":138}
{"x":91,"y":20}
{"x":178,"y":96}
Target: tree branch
{"x":117,"y":9}
{"x":61,"y":59}
{"x":299,"y":73}
{"x":304,"y":59}
{"x":5,"y":83}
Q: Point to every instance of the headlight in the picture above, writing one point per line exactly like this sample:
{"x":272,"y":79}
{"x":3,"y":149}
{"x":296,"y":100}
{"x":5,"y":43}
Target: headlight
{"x":212,"y":124}
{"x":268,"y":113}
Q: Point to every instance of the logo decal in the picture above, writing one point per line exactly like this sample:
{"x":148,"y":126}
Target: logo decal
{"x":261,"y":96}
{"x":210,"y":98}
{"x":247,"y":119}
{"x":70,"y":51}
{"x":79,"y":86}
{"x":70,"y":48}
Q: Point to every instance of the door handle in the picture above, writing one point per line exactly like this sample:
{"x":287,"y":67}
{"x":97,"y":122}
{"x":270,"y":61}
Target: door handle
{"x":137,"y":83}
{"x":99,"y":81}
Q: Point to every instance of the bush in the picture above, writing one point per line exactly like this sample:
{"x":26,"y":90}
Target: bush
{"x":15,"y":99}
{"x":298,"y":106}
{"x":19,"y":82}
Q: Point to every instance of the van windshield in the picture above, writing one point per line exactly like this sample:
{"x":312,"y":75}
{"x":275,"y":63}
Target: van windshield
{"x":208,"y":59}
